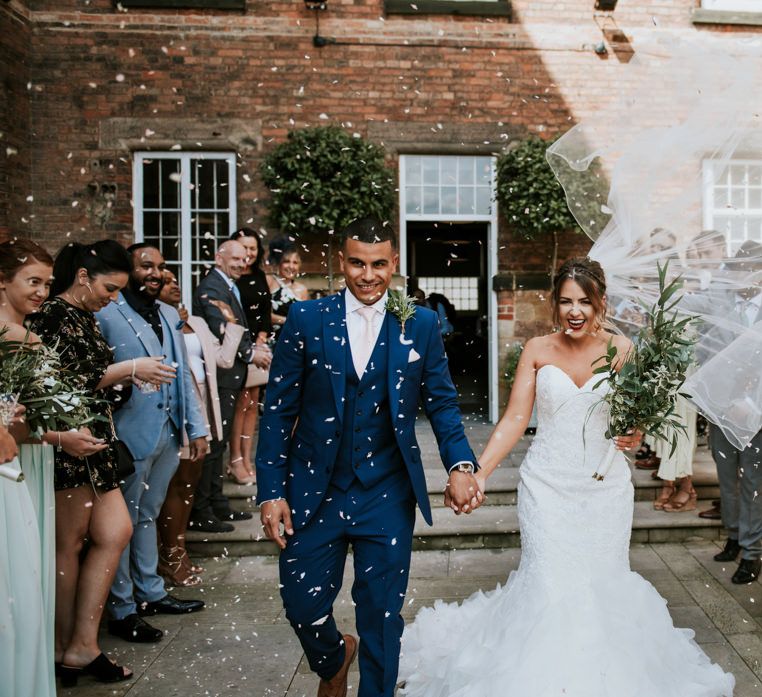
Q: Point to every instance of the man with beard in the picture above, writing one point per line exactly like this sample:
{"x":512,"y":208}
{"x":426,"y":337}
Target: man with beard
{"x":150,"y":424}
{"x":211,"y":508}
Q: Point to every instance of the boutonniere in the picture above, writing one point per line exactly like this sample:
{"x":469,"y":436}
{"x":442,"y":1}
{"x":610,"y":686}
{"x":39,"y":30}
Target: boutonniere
{"x":403,"y":308}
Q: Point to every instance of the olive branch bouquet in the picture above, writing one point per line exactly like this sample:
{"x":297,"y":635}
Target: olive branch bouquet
{"x":32,"y":375}
{"x":644,"y":391}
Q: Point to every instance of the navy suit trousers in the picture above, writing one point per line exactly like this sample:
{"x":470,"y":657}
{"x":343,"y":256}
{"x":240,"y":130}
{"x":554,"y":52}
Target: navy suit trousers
{"x":378,"y":524}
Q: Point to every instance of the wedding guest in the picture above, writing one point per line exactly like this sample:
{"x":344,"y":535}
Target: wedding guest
{"x":740,"y":471}
{"x":284,"y":287}
{"x":445,"y":311}
{"x":25,"y":273}
{"x":255,"y":298}
{"x":211,"y":508}
{"x":205,"y":355}
{"x":676,"y":469}
{"x":150,"y":423}
{"x":88,"y":502}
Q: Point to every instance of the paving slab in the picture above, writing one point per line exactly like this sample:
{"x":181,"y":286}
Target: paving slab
{"x":241,"y":643}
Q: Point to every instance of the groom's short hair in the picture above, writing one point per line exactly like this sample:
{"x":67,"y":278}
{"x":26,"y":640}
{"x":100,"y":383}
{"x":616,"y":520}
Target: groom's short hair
{"x":369,"y":231}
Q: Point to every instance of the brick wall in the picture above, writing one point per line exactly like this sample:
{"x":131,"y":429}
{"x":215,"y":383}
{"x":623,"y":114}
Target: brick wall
{"x":15,"y":134}
{"x":107,"y":82}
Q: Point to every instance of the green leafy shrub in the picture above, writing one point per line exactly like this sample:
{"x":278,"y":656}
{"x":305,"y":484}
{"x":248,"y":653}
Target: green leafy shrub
{"x":323,"y":178}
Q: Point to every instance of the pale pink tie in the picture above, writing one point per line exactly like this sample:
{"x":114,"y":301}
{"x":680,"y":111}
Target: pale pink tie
{"x":361,"y":352}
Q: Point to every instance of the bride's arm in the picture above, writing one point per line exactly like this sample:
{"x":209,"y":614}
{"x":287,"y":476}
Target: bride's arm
{"x":515,"y":420}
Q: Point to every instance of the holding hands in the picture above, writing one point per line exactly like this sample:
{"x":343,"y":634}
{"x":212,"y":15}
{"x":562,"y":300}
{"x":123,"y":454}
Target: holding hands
{"x":463,"y":492}
{"x":261,"y":356}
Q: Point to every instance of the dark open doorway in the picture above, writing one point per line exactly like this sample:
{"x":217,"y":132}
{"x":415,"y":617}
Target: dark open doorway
{"x":450,"y":259}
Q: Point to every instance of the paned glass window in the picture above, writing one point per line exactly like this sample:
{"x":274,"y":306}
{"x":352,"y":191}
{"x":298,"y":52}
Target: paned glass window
{"x":461,"y":291}
{"x":733,"y":201}
{"x":447,"y":186}
{"x":185,"y":204}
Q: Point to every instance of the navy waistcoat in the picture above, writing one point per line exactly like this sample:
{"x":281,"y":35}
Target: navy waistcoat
{"x":368,"y":450}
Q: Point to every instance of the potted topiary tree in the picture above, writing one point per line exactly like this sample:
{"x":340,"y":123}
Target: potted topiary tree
{"x":530,"y":196}
{"x":323,"y":178}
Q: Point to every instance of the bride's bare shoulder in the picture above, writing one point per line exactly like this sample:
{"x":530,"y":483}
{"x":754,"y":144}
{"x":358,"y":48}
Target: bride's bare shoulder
{"x":540,"y":344}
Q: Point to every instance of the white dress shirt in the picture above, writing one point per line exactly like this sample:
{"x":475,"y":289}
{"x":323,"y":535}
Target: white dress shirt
{"x":356,"y":323}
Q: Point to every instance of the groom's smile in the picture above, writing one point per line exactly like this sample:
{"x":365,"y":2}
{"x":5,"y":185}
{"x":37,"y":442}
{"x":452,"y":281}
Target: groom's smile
{"x":368,"y":268}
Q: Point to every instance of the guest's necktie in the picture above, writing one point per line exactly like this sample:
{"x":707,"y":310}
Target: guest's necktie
{"x":361,"y":352}
{"x":237,"y":293}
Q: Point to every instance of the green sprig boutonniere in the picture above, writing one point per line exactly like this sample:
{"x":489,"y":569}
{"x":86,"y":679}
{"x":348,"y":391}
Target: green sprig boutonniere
{"x":401,"y":306}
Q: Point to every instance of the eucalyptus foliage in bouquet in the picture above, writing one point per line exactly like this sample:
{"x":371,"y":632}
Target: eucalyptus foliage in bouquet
{"x":644,"y":391}
{"x":33,"y":374}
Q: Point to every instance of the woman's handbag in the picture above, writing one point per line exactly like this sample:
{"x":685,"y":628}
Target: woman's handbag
{"x":125,"y":462}
{"x":256,"y":377}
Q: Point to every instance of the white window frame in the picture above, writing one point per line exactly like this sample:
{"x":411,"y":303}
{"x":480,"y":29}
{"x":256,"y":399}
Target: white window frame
{"x":710,"y":210}
{"x":491,"y":220}
{"x":732,"y":5}
{"x":186,"y":230}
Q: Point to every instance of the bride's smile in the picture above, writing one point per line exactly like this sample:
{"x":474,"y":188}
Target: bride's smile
{"x":576,"y":310}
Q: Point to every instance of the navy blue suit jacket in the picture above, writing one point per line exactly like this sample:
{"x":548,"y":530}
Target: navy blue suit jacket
{"x":301,"y":428}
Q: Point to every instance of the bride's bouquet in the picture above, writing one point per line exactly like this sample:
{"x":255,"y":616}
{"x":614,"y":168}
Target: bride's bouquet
{"x":643,"y":392}
{"x":32,"y":375}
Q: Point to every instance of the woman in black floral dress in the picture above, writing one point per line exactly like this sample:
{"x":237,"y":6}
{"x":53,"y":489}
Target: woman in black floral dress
{"x":89,"y":503}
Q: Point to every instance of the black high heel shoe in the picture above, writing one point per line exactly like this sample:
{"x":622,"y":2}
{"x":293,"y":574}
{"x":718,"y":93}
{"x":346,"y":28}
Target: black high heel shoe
{"x":102,"y":669}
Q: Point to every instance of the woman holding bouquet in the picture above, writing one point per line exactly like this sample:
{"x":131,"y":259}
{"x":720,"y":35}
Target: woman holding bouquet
{"x":573,"y":619}
{"x":89,"y":504}
{"x":25,"y":275}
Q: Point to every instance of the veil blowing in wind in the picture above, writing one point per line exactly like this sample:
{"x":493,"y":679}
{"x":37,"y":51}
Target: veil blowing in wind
{"x":673,"y":172}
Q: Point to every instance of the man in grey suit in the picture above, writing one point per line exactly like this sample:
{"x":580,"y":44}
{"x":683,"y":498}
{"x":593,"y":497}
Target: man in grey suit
{"x":740,"y":471}
{"x":151,"y":423}
{"x":211,"y":508}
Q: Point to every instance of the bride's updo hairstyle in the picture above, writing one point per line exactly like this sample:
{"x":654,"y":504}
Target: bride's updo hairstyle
{"x":588,"y":275}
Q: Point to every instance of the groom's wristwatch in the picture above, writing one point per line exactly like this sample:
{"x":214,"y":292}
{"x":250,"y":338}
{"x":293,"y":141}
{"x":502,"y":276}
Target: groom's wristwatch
{"x":465,"y":467}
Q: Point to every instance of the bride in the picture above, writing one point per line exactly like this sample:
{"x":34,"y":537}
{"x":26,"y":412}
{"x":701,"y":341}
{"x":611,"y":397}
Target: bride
{"x":573,"y":620}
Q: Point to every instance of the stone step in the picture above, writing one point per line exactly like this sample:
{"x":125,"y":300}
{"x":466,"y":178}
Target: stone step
{"x":504,"y":482}
{"x":493,"y":526}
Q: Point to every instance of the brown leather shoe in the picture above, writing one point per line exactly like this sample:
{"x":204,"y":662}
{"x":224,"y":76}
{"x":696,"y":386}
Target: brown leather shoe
{"x":713,"y":513}
{"x":337,"y":685}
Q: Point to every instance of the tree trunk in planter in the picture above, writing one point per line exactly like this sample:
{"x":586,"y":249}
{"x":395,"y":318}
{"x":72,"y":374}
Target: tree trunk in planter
{"x":554,"y":257}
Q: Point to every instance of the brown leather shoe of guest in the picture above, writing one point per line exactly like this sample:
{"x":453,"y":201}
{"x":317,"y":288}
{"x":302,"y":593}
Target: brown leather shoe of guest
{"x":713,"y":513}
{"x":337,"y":685}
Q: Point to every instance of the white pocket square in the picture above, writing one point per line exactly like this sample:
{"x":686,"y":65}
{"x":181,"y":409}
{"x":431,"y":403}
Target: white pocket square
{"x":413,"y":355}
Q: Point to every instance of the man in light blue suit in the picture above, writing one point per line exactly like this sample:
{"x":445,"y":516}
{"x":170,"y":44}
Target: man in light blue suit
{"x":338,"y":463}
{"x":151,"y":424}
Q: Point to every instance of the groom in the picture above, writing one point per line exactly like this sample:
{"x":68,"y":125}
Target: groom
{"x":338,"y":462}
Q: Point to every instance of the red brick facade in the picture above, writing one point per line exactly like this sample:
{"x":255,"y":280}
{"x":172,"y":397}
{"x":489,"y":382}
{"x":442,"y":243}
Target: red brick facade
{"x":104,"y":82}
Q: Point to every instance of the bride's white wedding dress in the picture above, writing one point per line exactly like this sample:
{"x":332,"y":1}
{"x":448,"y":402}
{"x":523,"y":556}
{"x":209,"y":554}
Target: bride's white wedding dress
{"x":573,"y":620}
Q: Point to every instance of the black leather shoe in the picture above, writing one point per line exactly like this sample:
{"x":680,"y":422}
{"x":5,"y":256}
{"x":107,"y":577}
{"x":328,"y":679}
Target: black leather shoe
{"x":169,"y":605}
{"x":224,"y":516}
{"x":135,"y":629}
{"x":731,"y":551}
{"x":748,"y":570}
{"x":210,"y":524}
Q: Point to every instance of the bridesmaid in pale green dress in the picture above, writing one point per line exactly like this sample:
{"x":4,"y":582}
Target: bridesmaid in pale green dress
{"x":25,"y":277}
